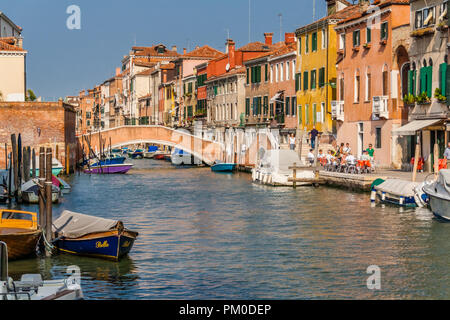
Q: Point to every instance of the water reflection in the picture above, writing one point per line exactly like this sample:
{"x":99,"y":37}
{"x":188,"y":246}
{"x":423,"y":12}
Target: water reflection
{"x":204,"y":235}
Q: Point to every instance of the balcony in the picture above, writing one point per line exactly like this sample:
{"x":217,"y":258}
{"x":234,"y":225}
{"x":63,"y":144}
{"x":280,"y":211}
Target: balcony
{"x":337,"y":110}
{"x":380,"y":107}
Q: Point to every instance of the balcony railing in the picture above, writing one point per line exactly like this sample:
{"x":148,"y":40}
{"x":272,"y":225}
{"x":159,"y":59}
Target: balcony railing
{"x":337,"y":110}
{"x":380,"y":107}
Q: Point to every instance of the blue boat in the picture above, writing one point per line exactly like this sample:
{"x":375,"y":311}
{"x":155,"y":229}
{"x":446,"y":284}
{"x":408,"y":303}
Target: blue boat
{"x":223,"y":167}
{"x":110,"y":161}
{"x":85,"y":235}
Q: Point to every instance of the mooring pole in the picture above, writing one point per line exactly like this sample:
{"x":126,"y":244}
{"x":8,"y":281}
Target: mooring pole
{"x":33,"y":165}
{"x":42,"y":213}
{"x":48,"y":199}
{"x":15,"y":162}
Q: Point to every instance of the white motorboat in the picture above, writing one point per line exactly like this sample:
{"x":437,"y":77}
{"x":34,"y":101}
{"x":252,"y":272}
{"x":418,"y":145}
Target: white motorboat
{"x":399,"y":192}
{"x":32,"y":287}
{"x":30,"y":192}
{"x":439,"y":194}
{"x":273,"y":169}
{"x":149,"y":155}
{"x":180,"y":157}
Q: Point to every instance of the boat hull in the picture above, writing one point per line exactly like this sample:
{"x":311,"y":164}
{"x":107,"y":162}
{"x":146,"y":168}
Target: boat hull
{"x":20,"y":244}
{"x":149,"y":155}
{"x":223,"y":167}
{"x":440,"y":207}
{"x":55,"y":171}
{"x":111,"y":169}
{"x":33,"y":197}
{"x":110,"y":245}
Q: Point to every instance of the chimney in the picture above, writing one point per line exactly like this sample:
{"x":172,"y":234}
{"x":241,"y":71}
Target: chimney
{"x":289,"y":37}
{"x":184,"y":50}
{"x":231,"y":47}
{"x":117,"y":71}
{"x":268,"y":38}
{"x":174,"y":48}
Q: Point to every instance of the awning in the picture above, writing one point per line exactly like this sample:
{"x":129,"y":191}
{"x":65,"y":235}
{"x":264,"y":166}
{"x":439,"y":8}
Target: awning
{"x":411,"y":128}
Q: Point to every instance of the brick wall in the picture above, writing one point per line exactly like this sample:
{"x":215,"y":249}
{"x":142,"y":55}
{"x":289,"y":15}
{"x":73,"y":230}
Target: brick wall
{"x":41,"y":124}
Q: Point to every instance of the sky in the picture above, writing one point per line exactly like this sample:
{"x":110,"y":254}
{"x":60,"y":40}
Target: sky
{"x":62,"y":62}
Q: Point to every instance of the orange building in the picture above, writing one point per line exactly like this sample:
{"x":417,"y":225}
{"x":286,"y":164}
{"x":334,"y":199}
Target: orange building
{"x":372,"y":49}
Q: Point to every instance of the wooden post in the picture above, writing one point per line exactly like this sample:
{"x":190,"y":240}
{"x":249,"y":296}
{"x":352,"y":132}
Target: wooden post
{"x":294,"y":175}
{"x":42,"y":213}
{"x":6,"y":156}
{"x":436,"y":159}
{"x":316,"y":151}
{"x":26,"y":163}
{"x":48,"y":198}
{"x":68,"y":160}
{"x":15,"y":161}
{"x":416,"y":162}
{"x":33,"y":165}
{"x":10,"y":178}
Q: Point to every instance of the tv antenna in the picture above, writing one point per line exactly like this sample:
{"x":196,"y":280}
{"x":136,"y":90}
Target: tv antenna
{"x":281,"y":26}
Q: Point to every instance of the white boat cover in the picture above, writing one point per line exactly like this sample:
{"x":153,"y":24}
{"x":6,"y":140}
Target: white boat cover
{"x":75,"y":225}
{"x":280,"y":160}
{"x":398,"y":187}
{"x":444,"y":179}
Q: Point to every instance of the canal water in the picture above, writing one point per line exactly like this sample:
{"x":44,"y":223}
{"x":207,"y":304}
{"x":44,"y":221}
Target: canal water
{"x":204,"y":235}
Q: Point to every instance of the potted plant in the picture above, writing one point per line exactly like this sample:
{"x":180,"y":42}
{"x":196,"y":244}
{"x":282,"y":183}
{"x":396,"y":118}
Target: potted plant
{"x":409,"y":99}
{"x":366,"y":45}
{"x":423,"y":98}
{"x":438,"y":95}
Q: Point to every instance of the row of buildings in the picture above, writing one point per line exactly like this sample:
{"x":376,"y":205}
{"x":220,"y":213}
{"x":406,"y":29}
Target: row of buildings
{"x":374,"y":72}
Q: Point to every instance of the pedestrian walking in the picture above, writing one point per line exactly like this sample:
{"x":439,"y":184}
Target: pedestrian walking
{"x":312,"y":136}
{"x":292,"y":141}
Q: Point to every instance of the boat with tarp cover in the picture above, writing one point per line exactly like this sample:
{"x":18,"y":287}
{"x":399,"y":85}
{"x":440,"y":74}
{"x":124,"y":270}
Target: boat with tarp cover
{"x":87,"y":235}
{"x":439,"y":193}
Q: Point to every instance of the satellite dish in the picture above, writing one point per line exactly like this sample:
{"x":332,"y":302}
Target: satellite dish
{"x":227,"y":67}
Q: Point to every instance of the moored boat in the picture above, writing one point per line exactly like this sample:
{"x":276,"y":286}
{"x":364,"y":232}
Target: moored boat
{"x":439,"y":193}
{"x":110,"y":169}
{"x":223,"y":167}
{"x":86,"y":235}
{"x":30,"y":192}
{"x":149,"y":155}
{"x":57,"y":167}
{"x":20,"y":231}
{"x":136,"y":154}
{"x":399,"y":192}
{"x":32,"y":287}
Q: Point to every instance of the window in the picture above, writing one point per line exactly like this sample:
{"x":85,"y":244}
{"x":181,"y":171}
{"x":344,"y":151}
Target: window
{"x":307,"y":114}
{"x":271,"y":110}
{"x":293,"y":69}
{"x":300,"y":115}
{"x":247,"y":106}
{"x":277,"y":72}
{"x":426,"y":17}
{"x":384,"y":31}
{"x":322,"y":112}
{"x":288,"y":70}
{"x":426,"y":76}
{"x":324,"y":38}
{"x":307,"y":43}
{"x":385,"y":82}
{"x":255,"y":74}
{"x":368,"y":86}
{"x":88,"y":115}
{"x":341,"y":88}
{"x":287,"y":105}
{"x":305,"y":80}
{"x":281,"y":71}
{"x":443,"y":78}
{"x":298,"y":84}
{"x":321,"y":77}
{"x":271,"y":74}
{"x":356,"y":38}
{"x":342,"y":41}
{"x":368,"y":35}
{"x":314,"y":113}
{"x":378,"y":138}
{"x":293,"y":106}
{"x":248,"y":76}
{"x":266,"y":105}
{"x":412,"y":75}
{"x":300,"y":45}
{"x":314,"y":42}
{"x":313,"y":79}
{"x":357,"y":88}
{"x":266,"y":72}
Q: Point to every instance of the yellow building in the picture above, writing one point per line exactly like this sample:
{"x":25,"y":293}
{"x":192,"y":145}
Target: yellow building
{"x":316,"y":68}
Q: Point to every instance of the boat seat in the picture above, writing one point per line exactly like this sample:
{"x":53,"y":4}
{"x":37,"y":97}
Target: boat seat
{"x":30,"y":281}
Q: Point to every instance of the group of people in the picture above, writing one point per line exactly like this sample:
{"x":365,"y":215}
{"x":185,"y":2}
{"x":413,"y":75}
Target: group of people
{"x":343,"y":153}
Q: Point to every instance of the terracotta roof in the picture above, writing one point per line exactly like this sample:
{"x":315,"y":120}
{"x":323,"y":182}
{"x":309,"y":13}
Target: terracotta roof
{"x":203,"y":52}
{"x":153,"y":51}
{"x":237,"y":70}
{"x":259,"y":46}
{"x":168,"y":66}
{"x":7,"y":44}
{"x":291,"y":47}
{"x":340,"y":15}
{"x":362,"y":10}
{"x":144,"y":64}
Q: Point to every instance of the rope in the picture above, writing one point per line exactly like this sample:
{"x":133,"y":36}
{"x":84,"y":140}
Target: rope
{"x":47,"y":244}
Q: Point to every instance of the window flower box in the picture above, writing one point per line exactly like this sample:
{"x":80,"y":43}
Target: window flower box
{"x":422,"y":32}
{"x":367,"y":46}
{"x":355,"y":49}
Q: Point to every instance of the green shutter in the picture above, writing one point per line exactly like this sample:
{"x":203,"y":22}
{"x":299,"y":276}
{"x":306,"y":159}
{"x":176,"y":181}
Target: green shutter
{"x":410,"y":81}
{"x":247,"y":106}
{"x":443,"y":78}
{"x":287,"y":106}
{"x":368,"y":35}
{"x":296,"y":82}
{"x":315,"y":113}
{"x":321,"y":77}
{"x":305,"y":80}
{"x":248,"y":75}
{"x":266,"y":73}
{"x":423,"y":80}
{"x":300,"y":115}
{"x":448,"y":86}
